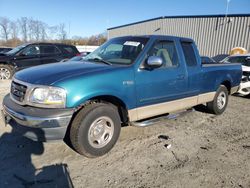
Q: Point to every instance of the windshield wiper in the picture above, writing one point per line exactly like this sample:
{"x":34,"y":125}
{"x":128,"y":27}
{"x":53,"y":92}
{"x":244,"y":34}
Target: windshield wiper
{"x":99,"y":60}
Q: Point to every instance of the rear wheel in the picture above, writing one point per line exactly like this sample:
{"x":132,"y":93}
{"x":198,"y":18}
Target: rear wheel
{"x":95,"y":129}
{"x":219,"y":104}
{"x":6,"y":72}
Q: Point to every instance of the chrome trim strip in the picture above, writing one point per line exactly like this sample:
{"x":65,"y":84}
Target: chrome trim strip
{"x":37,"y":122}
{"x":168,"y":107}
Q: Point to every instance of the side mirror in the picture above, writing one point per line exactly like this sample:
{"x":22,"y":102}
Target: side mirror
{"x":154,"y":62}
{"x":248,"y":59}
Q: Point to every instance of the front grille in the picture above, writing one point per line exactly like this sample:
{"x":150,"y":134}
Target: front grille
{"x":18,"y":91}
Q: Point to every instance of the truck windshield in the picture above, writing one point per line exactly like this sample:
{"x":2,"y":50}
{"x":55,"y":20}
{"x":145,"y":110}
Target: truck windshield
{"x":16,"y":49}
{"x":123,"y":50}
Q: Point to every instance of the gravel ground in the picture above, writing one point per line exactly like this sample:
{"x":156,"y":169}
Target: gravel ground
{"x":195,"y":150}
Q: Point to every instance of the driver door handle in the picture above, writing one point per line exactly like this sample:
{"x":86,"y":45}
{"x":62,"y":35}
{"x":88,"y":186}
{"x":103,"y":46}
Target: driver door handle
{"x":181,"y":77}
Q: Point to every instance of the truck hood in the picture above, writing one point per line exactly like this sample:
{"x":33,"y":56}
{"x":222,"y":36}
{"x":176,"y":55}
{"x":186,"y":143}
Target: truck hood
{"x":51,"y":73}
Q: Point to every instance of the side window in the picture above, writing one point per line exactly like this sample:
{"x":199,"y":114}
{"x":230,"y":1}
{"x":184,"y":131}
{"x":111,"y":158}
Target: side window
{"x":31,"y":50}
{"x":48,"y":49}
{"x":189,"y":54}
{"x":167,"y":51}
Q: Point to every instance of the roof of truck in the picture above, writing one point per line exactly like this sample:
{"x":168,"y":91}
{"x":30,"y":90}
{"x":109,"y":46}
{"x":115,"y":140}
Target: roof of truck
{"x":158,"y":36}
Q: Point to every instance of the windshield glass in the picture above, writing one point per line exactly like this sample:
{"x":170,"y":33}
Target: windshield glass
{"x":123,"y":50}
{"x":16,"y":49}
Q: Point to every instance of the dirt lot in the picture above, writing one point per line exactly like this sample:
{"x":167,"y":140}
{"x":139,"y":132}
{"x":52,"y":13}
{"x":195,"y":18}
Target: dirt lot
{"x":206,"y":151}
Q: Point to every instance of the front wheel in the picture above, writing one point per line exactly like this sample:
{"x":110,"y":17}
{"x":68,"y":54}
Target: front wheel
{"x":219,"y":104}
{"x":95,"y":129}
{"x":6,"y":72}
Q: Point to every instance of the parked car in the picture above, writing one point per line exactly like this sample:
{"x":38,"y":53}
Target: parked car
{"x":243,"y":59}
{"x":28,"y":55}
{"x":4,"y":49}
{"x":78,"y":57}
{"x":127,"y":81}
{"x":206,"y":59}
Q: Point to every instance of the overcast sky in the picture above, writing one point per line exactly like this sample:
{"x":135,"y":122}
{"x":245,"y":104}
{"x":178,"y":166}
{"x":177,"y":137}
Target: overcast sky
{"x":87,"y":17}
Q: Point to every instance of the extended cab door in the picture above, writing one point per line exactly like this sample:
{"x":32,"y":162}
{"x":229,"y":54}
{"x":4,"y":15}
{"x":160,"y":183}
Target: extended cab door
{"x":28,"y":57}
{"x":166,"y":83}
{"x":193,"y":65}
{"x":49,"y":54}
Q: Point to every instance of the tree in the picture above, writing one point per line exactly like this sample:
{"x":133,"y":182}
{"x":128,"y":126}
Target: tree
{"x":62,"y":34}
{"x":23,"y":24}
{"x":37,"y":30}
{"x":14,"y":30}
{"x":5,"y":27}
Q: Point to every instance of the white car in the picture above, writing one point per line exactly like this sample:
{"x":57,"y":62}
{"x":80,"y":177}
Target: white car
{"x":245,"y":61}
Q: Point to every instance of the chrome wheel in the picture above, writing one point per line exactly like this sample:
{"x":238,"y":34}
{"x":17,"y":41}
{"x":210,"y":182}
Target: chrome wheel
{"x":100,"y":132}
{"x":4,"y":74}
{"x":221,"y":100}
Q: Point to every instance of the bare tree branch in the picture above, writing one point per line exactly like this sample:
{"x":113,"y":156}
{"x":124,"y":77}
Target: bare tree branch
{"x":5,"y":26}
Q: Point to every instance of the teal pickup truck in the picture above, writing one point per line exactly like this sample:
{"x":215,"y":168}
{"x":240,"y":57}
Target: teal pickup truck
{"x":127,"y":81}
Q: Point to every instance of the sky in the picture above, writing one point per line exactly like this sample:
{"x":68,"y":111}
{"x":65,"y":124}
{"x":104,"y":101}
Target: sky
{"x":88,"y":17}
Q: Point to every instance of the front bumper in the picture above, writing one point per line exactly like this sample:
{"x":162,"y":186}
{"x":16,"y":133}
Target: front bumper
{"x":38,"y":124}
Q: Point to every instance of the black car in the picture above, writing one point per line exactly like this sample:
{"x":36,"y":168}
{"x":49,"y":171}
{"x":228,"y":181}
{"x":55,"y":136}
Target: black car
{"x":4,"y":49}
{"x":207,"y":60}
{"x":244,"y":59}
{"x":28,"y":55}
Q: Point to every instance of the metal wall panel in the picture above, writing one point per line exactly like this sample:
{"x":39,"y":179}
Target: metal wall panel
{"x":213,"y":35}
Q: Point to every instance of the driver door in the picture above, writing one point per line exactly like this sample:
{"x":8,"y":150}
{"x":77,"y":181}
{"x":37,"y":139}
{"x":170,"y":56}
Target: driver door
{"x":28,"y":57}
{"x":166,"y":83}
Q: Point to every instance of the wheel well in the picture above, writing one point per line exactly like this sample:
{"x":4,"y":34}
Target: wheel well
{"x":227,"y":84}
{"x":122,"y":109}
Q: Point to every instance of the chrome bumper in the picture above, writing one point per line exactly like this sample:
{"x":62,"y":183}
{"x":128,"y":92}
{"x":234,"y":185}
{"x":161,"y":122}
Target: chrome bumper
{"x":38,"y":124}
{"x":244,"y":88}
{"x":35,"y":122}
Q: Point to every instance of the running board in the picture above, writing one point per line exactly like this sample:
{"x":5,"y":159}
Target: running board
{"x":158,"y":119}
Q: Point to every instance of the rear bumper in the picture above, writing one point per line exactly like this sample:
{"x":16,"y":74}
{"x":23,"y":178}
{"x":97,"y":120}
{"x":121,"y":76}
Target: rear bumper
{"x":37,"y":123}
{"x":244,"y":88}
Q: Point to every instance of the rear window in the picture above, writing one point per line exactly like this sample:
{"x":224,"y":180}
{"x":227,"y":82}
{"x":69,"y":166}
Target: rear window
{"x":69,"y":49}
{"x":189,"y":53}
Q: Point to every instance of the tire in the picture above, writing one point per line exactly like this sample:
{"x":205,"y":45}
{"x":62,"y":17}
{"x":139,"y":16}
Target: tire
{"x":95,"y":129}
{"x":6,"y":72}
{"x":219,"y":104}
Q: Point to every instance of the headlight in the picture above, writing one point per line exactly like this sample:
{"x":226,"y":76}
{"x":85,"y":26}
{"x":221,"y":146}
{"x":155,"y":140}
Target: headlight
{"x":48,"y":97}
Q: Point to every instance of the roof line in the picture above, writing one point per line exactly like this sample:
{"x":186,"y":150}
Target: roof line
{"x":184,"y":16}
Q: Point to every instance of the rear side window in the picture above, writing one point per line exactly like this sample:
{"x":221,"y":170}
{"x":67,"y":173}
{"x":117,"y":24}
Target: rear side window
{"x":49,"y":49}
{"x":189,"y":54}
{"x":69,"y":49}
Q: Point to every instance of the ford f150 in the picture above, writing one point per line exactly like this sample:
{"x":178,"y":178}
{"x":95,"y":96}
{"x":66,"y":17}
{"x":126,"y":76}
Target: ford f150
{"x":126,"y":81}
